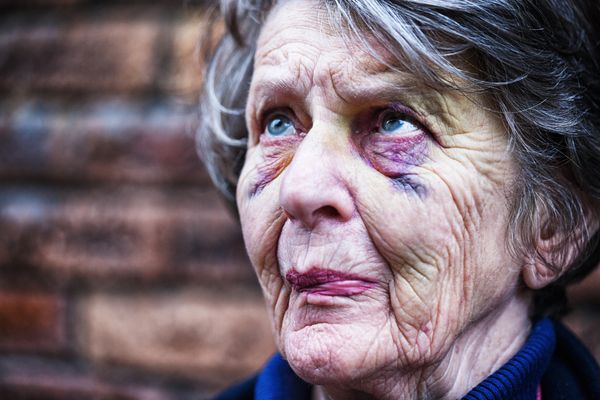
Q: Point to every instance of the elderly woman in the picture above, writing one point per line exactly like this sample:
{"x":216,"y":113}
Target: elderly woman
{"x":417,"y":181}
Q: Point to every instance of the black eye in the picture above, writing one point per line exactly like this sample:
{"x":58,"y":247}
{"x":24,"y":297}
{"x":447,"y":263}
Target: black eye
{"x":279,"y":125}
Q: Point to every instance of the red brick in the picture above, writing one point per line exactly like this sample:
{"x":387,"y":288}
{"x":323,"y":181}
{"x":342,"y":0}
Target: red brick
{"x":214,"y":337}
{"x":32,"y":321}
{"x":53,"y":386}
{"x":136,"y":233}
{"x":49,"y":4}
{"x":29,"y":3}
{"x":185,"y":73}
{"x":144,"y":48}
{"x":16,"y":4}
{"x":102,"y":52}
{"x":110,"y":141}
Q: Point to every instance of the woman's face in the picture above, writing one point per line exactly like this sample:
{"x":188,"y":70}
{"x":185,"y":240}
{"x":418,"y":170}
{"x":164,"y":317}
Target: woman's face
{"x":374,"y":209}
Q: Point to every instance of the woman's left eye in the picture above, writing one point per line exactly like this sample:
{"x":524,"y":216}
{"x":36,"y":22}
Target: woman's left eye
{"x":396,"y":124}
{"x":279,"y":125}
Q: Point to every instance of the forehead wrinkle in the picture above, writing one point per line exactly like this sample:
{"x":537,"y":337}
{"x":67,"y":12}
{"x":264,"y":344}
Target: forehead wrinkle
{"x":278,"y":34}
{"x":274,"y":84}
{"x":377,"y":88}
{"x":275,"y":92}
{"x":283,"y":71}
{"x":291,"y":65}
{"x":284,"y":50}
{"x":292,"y":73}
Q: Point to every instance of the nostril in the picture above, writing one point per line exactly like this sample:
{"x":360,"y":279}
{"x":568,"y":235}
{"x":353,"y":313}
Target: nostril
{"x":328,"y":212}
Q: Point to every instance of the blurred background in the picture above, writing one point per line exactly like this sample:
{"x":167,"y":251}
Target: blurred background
{"x":122,"y":274}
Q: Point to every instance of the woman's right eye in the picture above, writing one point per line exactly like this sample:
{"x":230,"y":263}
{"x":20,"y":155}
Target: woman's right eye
{"x":279,"y":125}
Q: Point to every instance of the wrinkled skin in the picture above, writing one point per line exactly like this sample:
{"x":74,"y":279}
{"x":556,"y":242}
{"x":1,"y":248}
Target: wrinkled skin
{"x":421,"y":212}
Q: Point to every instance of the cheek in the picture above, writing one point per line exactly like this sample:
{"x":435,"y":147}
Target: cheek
{"x":276,"y":154}
{"x":420,"y":241}
{"x":261,"y":220}
{"x":422,"y":237}
{"x":416,"y":234}
{"x":257,"y":197}
{"x":417,"y":221}
{"x":258,"y":212}
{"x":446,"y":250}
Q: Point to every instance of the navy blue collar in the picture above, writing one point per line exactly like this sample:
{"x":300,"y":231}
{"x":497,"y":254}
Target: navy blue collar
{"x":520,"y":377}
{"x":277,"y":381}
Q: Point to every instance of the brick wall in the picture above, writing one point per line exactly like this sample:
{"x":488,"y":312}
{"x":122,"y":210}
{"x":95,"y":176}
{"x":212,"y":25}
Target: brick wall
{"x":122,"y":275}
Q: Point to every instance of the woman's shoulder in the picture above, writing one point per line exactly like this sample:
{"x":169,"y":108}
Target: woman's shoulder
{"x":240,"y":391}
{"x":573,"y":373}
{"x":275,"y":381}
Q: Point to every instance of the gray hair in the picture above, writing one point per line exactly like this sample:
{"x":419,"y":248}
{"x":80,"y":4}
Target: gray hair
{"x":537,"y":60}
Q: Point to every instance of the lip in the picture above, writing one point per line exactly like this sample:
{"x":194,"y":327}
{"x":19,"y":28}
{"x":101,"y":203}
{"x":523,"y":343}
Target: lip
{"x":327,"y":282}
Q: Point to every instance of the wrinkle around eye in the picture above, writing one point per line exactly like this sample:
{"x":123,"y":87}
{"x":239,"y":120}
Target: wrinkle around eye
{"x":276,"y":154}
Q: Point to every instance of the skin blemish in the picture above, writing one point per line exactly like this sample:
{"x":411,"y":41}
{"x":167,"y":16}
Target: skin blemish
{"x":277,"y":153}
{"x":409,"y":183}
{"x":396,"y":156}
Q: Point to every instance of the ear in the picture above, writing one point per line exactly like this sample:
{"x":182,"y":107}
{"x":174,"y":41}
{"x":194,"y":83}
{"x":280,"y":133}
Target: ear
{"x":554,"y":253}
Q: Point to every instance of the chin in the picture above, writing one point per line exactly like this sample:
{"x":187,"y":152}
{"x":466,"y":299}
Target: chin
{"x":325,"y":353}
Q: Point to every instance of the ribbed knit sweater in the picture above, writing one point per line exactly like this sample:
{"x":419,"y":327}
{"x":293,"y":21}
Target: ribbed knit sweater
{"x":520,"y":377}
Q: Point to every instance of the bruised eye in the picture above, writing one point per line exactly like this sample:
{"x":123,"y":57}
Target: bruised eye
{"x":279,"y":125}
{"x":393,"y":123}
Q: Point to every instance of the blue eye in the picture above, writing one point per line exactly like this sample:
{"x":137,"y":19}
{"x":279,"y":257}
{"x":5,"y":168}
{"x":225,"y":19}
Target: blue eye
{"x":280,"y":125}
{"x":395,"y":124}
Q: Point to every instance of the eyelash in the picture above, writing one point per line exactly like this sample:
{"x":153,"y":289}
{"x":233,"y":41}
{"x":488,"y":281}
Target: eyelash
{"x":399,"y":111}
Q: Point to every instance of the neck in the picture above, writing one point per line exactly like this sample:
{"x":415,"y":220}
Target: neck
{"x":479,"y":351}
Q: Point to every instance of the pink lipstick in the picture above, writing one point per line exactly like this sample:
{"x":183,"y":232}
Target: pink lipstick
{"x":327,"y":282}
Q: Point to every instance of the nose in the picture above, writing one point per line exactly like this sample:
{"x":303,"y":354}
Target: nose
{"x":314,"y":187}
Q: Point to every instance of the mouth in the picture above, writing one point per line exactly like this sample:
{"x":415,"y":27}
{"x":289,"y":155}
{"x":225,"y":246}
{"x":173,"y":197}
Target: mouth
{"x":327,"y":282}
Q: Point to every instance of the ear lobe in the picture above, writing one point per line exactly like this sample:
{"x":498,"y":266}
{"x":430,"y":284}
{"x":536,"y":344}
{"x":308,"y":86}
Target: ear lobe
{"x":537,"y":273}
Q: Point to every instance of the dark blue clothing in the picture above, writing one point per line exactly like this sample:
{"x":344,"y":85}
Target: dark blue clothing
{"x":520,"y":377}
{"x":551,"y":357}
{"x":573,"y":372}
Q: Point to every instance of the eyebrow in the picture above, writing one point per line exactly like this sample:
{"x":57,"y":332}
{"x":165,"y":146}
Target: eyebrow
{"x":277,"y":87}
{"x":372,"y":90}
{"x":377,"y":89}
